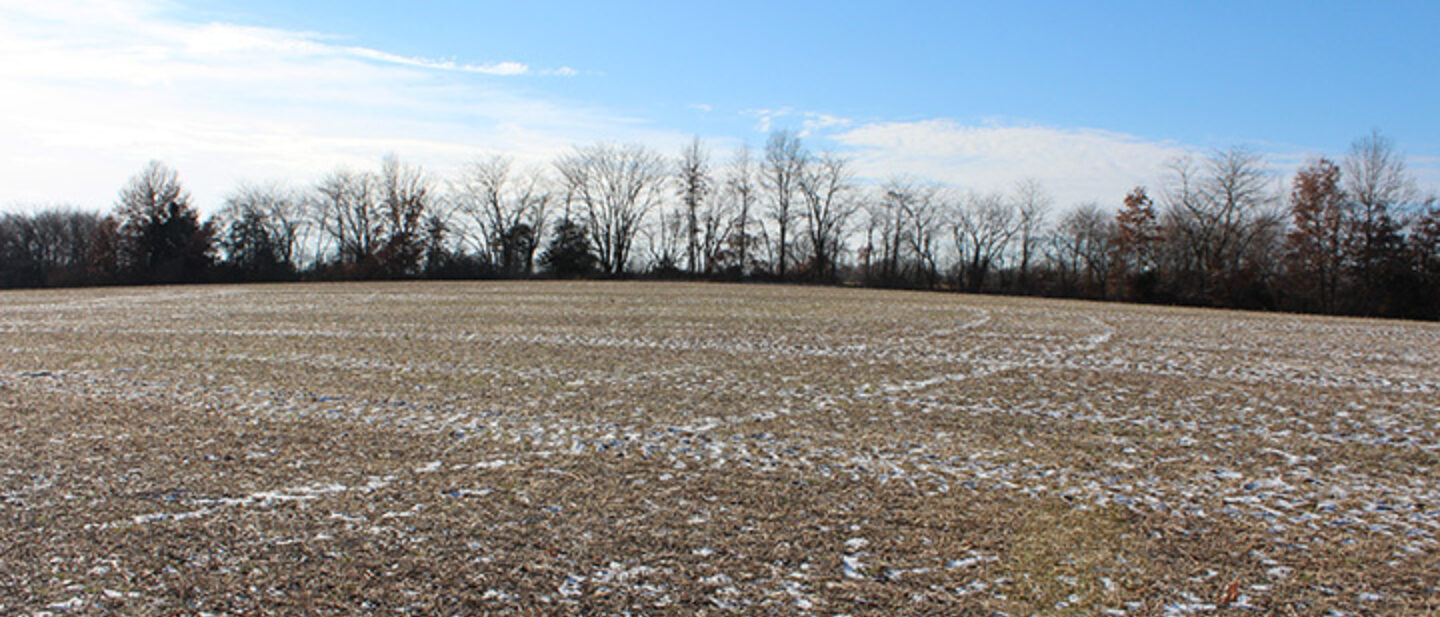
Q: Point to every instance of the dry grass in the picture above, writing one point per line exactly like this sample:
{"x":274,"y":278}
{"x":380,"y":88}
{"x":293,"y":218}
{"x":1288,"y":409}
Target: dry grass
{"x":589,"y":448}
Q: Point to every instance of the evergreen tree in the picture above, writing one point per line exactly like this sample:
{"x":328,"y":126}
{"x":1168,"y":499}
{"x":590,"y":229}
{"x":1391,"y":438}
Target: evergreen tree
{"x":569,"y":253}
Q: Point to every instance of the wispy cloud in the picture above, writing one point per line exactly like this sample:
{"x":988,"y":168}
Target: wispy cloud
{"x":495,"y":68}
{"x":810,"y":122}
{"x":815,"y":121}
{"x":1076,"y":165}
{"x":765,"y":119}
{"x":94,"y":89}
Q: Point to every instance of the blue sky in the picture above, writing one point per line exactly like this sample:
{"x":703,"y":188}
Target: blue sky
{"x":1090,"y":98}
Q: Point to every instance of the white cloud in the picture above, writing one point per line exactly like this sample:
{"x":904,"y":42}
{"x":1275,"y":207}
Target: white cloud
{"x":95,"y":89}
{"x":811,"y":122}
{"x":765,"y":118}
{"x":92,"y":89}
{"x":1075,"y":165}
{"x":494,"y":68}
{"x":815,"y":121}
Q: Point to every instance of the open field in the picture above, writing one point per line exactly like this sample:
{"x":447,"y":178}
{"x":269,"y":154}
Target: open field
{"x":668,"y":449}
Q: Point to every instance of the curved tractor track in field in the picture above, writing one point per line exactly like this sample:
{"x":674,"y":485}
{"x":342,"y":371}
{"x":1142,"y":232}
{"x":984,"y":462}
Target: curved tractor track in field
{"x":675,"y":448}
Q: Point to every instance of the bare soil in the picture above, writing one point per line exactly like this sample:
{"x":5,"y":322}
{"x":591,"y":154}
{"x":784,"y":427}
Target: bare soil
{"x":700,"y":449}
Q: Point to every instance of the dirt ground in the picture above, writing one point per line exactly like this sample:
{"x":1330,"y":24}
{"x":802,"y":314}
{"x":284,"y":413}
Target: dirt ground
{"x":703,"y":449}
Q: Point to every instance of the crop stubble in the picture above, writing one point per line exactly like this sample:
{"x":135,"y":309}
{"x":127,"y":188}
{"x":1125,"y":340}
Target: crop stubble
{"x":569,"y":448}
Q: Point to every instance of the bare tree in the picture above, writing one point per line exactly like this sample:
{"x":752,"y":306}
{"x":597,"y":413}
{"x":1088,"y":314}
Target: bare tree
{"x":507,"y":211}
{"x":693,"y":175}
{"x":1215,"y":213}
{"x":279,"y":209}
{"x":1378,"y":185}
{"x":63,"y":237}
{"x":105,"y":260}
{"x":885,"y":223}
{"x":1376,"y":179}
{"x":923,"y":216}
{"x":479,"y":197}
{"x":50,"y":247}
{"x":1425,"y":250}
{"x":617,"y":186}
{"x":348,"y":214}
{"x":665,"y":241}
{"x":906,"y":217}
{"x":148,"y":194}
{"x":740,"y":185}
{"x":880,"y":222}
{"x":406,"y":195}
{"x":982,"y":230}
{"x":1081,"y":250}
{"x":784,"y":164}
{"x":1032,"y":204}
{"x":825,"y":186}
{"x":716,"y":230}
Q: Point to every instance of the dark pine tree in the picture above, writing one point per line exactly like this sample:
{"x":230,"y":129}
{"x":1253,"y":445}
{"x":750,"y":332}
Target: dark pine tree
{"x":569,"y":254}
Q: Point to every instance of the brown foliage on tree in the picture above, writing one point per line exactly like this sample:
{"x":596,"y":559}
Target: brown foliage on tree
{"x":1317,"y":245}
{"x":104,"y":262}
{"x":1132,"y":250}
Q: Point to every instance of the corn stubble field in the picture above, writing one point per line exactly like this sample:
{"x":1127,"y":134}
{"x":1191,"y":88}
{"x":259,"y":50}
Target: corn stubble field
{"x":676,"y":449}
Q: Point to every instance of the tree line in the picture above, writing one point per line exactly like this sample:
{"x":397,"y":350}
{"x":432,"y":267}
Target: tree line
{"x":1352,"y":236}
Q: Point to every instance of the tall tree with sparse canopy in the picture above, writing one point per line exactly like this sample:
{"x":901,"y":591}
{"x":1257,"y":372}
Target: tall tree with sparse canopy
{"x":981,"y":231}
{"x":1032,"y":203}
{"x":405,"y":198}
{"x":780,"y":173}
{"x":1377,"y":184}
{"x":506,"y":210}
{"x":348,"y":214}
{"x":740,"y":185}
{"x":262,"y":227}
{"x":1217,"y":213}
{"x":825,"y":187}
{"x":693,"y":174}
{"x":616,"y":187}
